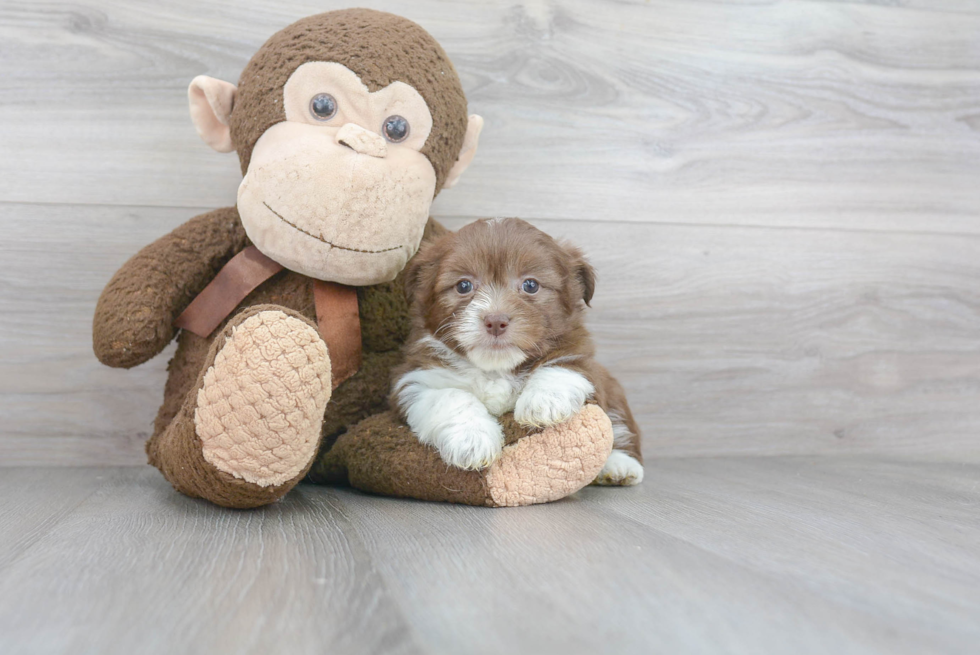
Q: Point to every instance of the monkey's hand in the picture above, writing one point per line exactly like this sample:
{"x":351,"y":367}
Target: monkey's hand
{"x":135,"y":313}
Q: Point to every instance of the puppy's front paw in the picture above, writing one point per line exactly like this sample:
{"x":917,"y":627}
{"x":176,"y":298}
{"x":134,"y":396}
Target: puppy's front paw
{"x":474,"y":445}
{"x":620,"y":470}
{"x":552,"y":395}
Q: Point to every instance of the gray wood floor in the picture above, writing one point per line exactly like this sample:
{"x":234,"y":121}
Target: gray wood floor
{"x":709,"y":555}
{"x":782,"y":202}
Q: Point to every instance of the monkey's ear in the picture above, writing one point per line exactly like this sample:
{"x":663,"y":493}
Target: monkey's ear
{"x":466,"y":153}
{"x":211,"y":103}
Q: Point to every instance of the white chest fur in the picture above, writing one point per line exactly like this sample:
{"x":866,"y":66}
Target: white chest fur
{"x":453,"y":407}
{"x":497,"y":390}
{"x":550,"y":394}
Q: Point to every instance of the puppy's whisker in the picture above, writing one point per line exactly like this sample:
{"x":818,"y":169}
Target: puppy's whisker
{"x":448,"y":324}
{"x":538,"y":350}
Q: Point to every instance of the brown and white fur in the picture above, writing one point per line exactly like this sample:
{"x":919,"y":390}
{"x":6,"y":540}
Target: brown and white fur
{"x":485,"y":342}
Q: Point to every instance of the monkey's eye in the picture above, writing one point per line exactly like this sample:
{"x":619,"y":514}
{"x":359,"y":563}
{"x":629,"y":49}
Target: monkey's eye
{"x":530,"y":285}
{"x":395,"y":129}
{"x":463,"y":287}
{"x":323,"y":106}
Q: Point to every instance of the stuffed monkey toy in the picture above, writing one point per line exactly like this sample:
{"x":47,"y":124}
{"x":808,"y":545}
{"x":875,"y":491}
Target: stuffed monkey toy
{"x":289,"y":308}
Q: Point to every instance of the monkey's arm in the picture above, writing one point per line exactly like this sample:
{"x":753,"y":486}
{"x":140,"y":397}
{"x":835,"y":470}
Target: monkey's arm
{"x":135,"y":313}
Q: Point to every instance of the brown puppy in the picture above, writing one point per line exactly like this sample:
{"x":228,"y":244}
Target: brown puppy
{"x":497,"y":326}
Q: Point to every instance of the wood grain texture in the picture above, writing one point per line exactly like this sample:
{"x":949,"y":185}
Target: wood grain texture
{"x":780,"y":199}
{"x":730,"y":340}
{"x":36,"y":502}
{"x":805,"y":113}
{"x":138,"y":568}
{"x":737,"y":555}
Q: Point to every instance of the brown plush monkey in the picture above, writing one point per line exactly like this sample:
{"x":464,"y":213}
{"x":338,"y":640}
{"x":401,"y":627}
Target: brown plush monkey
{"x":292,"y":308}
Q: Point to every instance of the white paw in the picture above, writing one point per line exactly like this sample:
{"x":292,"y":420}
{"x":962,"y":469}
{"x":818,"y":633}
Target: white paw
{"x":552,"y":395}
{"x":621,"y":470}
{"x":474,"y":445}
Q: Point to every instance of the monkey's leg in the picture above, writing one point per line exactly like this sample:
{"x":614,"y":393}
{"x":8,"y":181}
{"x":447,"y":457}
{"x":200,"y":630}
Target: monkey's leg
{"x":248,"y":430}
{"x":381,"y":455}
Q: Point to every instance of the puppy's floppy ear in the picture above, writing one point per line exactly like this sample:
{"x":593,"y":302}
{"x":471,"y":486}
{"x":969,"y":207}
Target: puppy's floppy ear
{"x":422,"y":269}
{"x":587,"y":275}
{"x":413,"y":273}
{"x":583,"y":271}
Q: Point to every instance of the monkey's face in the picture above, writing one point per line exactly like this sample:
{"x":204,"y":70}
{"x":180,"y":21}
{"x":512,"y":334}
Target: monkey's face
{"x":339,"y":191}
{"x":339,"y":188}
{"x":341,"y":163}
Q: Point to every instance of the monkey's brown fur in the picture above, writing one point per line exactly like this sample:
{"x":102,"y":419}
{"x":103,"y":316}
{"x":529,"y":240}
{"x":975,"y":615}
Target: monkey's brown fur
{"x":135,"y":313}
{"x":359,"y":39}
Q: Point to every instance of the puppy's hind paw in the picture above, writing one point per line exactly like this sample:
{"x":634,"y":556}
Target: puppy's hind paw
{"x":620,"y":470}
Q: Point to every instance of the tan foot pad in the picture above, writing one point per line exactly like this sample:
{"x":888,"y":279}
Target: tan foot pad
{"x":261,"y":406}
{"x":554,"y":463}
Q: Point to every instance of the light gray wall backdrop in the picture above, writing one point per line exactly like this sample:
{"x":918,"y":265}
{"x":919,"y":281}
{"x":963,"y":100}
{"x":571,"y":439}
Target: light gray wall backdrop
{"x":781,"y":199}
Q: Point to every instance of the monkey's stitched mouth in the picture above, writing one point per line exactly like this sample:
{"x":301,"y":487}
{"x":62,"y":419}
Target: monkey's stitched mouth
{"x":319,"y":238}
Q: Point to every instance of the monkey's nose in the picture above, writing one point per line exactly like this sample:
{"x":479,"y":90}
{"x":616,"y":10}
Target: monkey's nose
{"x":496,"y":324}
{"x":362,"y":141}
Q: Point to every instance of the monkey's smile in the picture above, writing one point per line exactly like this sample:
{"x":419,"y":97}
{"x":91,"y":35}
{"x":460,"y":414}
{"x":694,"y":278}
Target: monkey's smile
{"x":320,"y":238}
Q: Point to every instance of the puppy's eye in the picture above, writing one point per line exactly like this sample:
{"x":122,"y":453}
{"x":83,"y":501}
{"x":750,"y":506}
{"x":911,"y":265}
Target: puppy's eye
{"x":323,"y":106}
{"x":530,"y":285}
{"x":395,"y":129}
{"x":463,"y":287}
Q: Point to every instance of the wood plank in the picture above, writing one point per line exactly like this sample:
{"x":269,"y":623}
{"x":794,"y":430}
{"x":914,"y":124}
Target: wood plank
{"x":735,"y":555}
{"x":895,"y":540}
{"x":36,"y":501}
{"x":745,"y":564}
{"x":730,"y":340}
{"x":140,"y":568}
{"x":59,"y":403}
{"x":845,"y":114}
{"x":758,"y":341}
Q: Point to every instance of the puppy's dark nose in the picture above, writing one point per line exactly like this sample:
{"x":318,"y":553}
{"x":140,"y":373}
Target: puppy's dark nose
{"x":496,"y":324}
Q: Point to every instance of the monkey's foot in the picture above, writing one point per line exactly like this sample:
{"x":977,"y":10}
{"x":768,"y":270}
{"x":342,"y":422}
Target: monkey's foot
{"x":250,"y":431}
{"x":551,"y":464}
{"x":260,"y":409}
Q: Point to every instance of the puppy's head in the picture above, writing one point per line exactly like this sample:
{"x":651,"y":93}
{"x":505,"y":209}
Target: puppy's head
{"x":499,"y":292}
